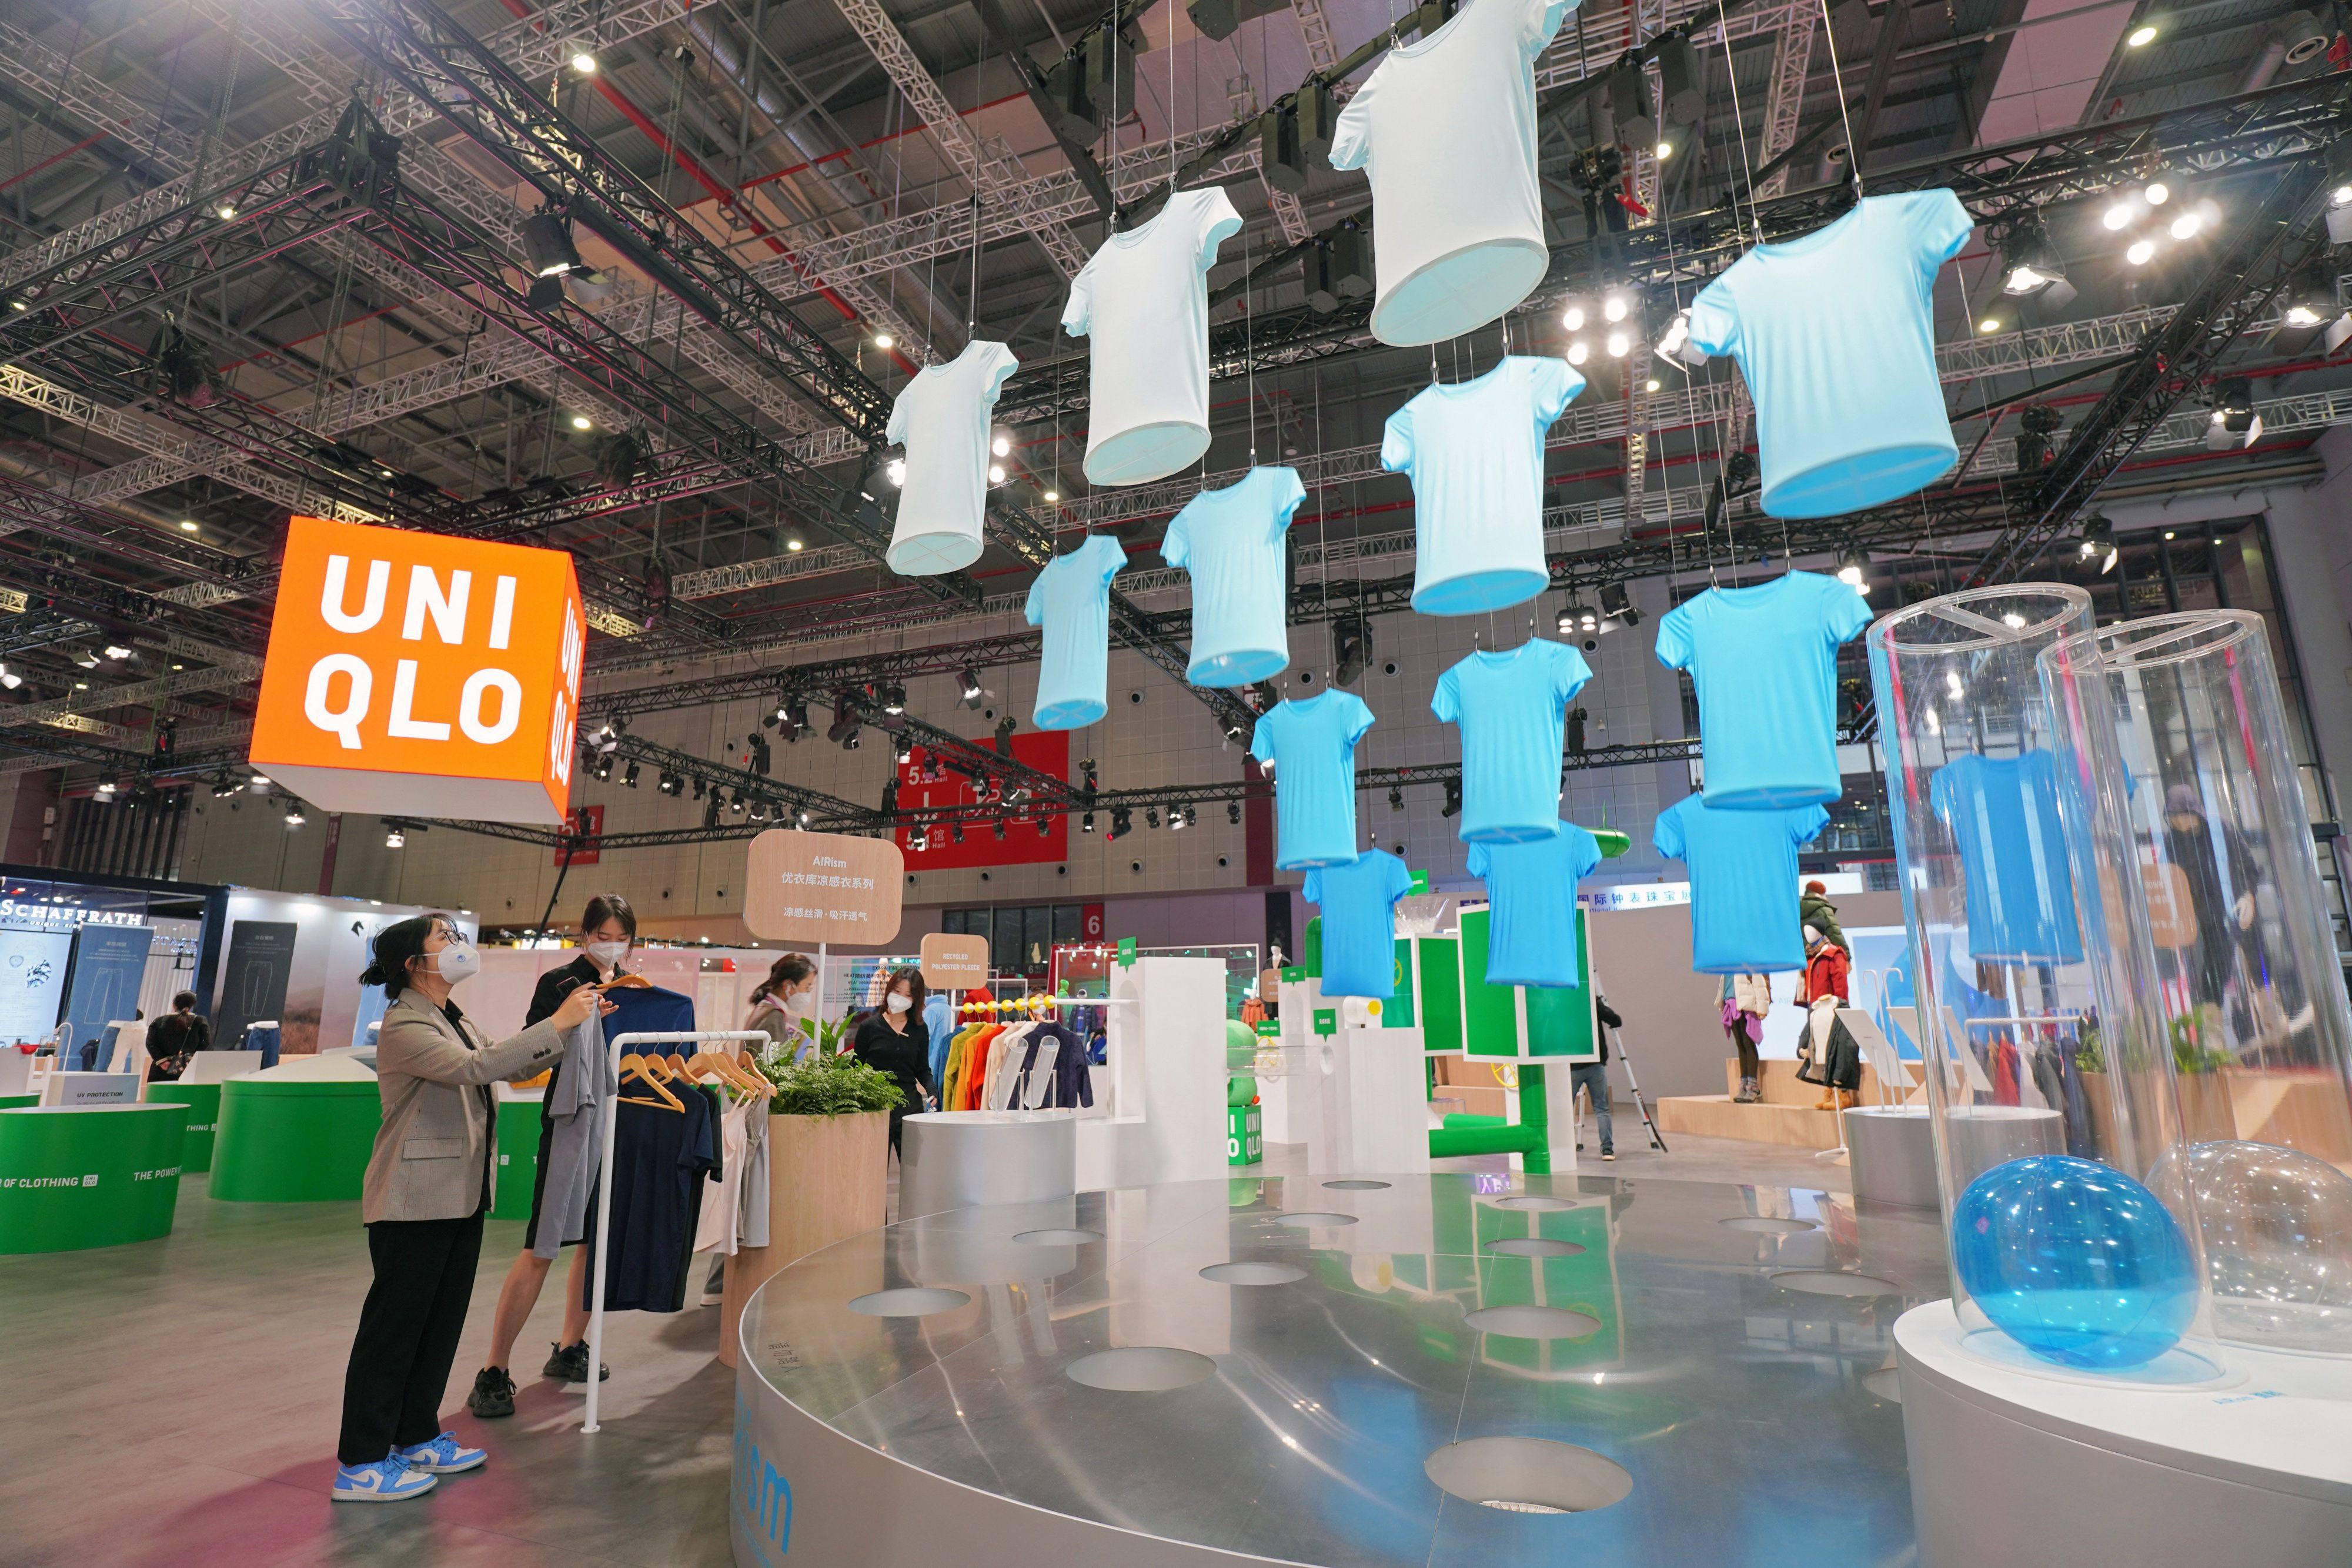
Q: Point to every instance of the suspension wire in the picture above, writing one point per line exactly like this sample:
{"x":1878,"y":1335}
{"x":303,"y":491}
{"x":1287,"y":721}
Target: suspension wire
{"x":971,"y":304}
{"x":1674,"y":278}
{"x":1738,"y":123}
{"x":1837,"y":77}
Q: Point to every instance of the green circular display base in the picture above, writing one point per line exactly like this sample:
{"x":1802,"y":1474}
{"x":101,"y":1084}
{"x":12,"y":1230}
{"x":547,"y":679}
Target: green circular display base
{"x":293,"y":1142}
{"x":73,"y":1176}
{"x":12,"y":1101}
{"x":517,"y":1133}
{"x":203,"y":1103}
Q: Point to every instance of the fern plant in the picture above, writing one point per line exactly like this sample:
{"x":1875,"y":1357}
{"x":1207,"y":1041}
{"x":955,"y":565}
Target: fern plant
{"x":828,"y":1084}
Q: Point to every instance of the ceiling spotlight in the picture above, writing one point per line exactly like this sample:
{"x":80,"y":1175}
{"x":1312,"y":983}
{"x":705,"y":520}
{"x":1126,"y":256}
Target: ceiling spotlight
{"x":996,"y":473}
{"x":1087,"y":823}
{"x":2140,"y":252}
{"x":187,"y":525}
{"x":738,"y":802}
{"x":671,"y":784}
{"x":1666,"y":149}
{"x":1617,"y":604}
{"x":1121,"y":823}
{"x":2186,"y":226}
{"x":2139,"y":37}
{"x":1233,"y":812}
{"x":2120,"y":213}
{"x":547,"y":244}
{"x":258,"y":782}
{"x":85,"y":658}
{"x":1000,"y":443}
{"x":1000,"y":829}
{"x":794,"y":545}
{"x":1176,"y":816}
{"x":1151,"y":816}
{"x":226,"y":211}
{"x":1618,"y":345}
{"x":117,"y":651}
{"x":1853,"y":569}
{"x":2099,"y":542}
{"x":105,"y":790}
{"x":2157,"y":192}
{"x":1577,"y":353}
{"x":2030,"y":263}
{"x":896,"y":470}
{"x":294,"y":816}
{"x":1651,"y":384}
{"x":1614,"y":307}
{"x":395,"y":839}
{"x":1396,"y":799}
{"x":802,"y":817}
{"x":1051,"y":497}
{"x":583,"y":62}
{"x":894,"y":699}
{"x":582,"y":422}
{"x":968,"y":685}
{"x":884,"y":340}
{"x":1573,"y":319}
{"x":10,"y":678}
{"x":1453,"y":806}
{"x":629,"y":774}
{"x":1989,"y":324}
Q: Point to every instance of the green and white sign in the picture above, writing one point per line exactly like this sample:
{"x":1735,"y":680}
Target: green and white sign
{"x":88,"y":1175}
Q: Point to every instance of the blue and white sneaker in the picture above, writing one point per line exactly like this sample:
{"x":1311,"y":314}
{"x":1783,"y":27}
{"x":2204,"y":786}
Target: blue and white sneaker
{"x":444,"y":1455}
{"x":387,"y":1480}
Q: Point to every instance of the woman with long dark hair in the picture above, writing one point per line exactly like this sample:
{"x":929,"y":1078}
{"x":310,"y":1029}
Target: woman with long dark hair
{"x":782,"y":1005}
{"x":893,"y":1039}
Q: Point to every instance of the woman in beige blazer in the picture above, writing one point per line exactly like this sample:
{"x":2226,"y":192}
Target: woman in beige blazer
{"x":429,"y":1183}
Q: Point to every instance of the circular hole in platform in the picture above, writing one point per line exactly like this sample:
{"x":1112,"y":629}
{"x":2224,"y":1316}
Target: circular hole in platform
{"x":1527,"y":1475}
{"x":1141,"y":1369}
{"x":1535,"y":1201}
{"x":1058,"y":1237}
{"x":1885,"y":1382}
{"x":1356,"y":1184}
{"x":1248,"y":1273}
{"x":913,"y":1301}
{"x":1314,"y":1221}
{"x":1534,"y":1247}
{"x":1834,"y":1282}
{"x":1767,"y":1225}
{"x":1528,"y":1322}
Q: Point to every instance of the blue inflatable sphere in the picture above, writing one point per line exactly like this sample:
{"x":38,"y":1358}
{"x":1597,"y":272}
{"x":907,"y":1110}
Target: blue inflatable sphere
{"x":2076,"y":1260}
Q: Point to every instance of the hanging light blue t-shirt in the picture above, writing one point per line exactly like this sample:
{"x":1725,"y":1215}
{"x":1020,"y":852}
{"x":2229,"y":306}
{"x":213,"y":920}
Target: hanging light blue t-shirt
{"x":1312,"y":745}
{"x":1743,"y":882}
{"x":1071,"y":599}
{"x":1835,"y":333}
{"x":1509,"y":708}
{"x":2003,"y":816}
{"x":1764,"y":661}
{"x":1532,"y":898}
{"x":1475,"y":454}
{"x":1231,"y":541}
{"x":1359,"y":905}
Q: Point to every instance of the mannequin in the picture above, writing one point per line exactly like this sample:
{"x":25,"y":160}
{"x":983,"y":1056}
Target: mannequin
{"x":1745,"y":999}
{"x":1835,"y":1061}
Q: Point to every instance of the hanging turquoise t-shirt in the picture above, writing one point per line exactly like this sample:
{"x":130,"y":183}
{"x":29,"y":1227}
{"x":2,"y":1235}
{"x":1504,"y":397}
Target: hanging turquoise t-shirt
{"x":2003,"y":816}
{"x":1743,"y":882}
{"x":1764,"y":661}
{"x":1231,"y":541}
{"x":1312,"y":743}
{"x":1510,"y":708}
{"x":1359,"y":905}
{"x":1835,"y":333}
{"x":1531,"y":899}
{"x":1071,"y":599}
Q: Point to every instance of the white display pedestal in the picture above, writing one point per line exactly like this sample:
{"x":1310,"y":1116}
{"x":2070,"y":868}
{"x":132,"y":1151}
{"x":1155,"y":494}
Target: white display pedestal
{"x":2009,"y":1466}
{"x":1166,"y":1092}
{"x":1356,"y":1098}
{"x":956,"y":1159}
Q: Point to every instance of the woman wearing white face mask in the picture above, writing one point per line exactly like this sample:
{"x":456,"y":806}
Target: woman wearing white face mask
{"x":783,"y":1005}
{"x":429,"y":1183}
{"x":893,"y":1039}
{"x":608,"y":928}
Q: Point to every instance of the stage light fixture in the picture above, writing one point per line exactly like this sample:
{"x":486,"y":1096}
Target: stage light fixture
{"x":968,"y":684}
{"x":1853,"y":569}
{"x":2156,"y":192}
{"x":896,"y":470}
{"x":2099,"y":542}
{"x":737,"y":802}
{"x":394,"y":838}
{"x":1577,"y":353}
{"x":955,"y":831}
{"x":670,"y":783}
{"x":801,"y":818}
{"x":1351,"y":648}
{"x":294,"y":817}
{"x":583,"y":62}
{"x":1453,"y":806}
{"x":2121,"y":212}
{"x":1152,"y":817}
{"x":1087,"y":823}
{"x":629,"y":774}
{"x":1121,"y":823}
{"x":1045,"y":826}
{"x":2140,"y":252}
{"x":601,"y":768}
{"x":919,"y":839}
{"x":1001,"y":444}
{"x":1052,"y":496}
{"x":547,"y":244}
{"x":894,"y":699}
{"x":1177,"y":818}
{"x":105,"y":790}
{"x":2030,"y":265}
{"x":844,"y":728}
{"x":2141,"y":36}
{"x":996,"y":473}
{"x":1614,"y":307}
{"x":1617,"y":604}
{"x":2187,"y":225}
{"x":2037,"y":427}
{"x":1000,"y":829}
{"x":10,"y":678}
{"x":884,"y":340}
{"x":1573,"y":318}
{"x":1396,"y":799}
{"x":1233,"y":813}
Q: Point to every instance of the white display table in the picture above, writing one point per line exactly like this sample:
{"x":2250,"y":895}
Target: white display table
{"x":1891,"y":1150}
{"x":954,"y":1159}
{"x":2009,"y":1466}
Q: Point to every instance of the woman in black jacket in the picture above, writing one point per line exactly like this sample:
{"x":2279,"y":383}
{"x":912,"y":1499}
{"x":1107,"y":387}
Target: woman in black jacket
{"x":892,"y":1038}
{"x":176,"y":1036}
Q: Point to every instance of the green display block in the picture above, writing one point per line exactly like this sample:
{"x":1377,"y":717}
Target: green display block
{"x":292,"y":1142}
{"x":11,"y":1102}
{"x":88,"y":1175}
{"x":203,"y":1103}
{"x":1244,"y":1135}
{"x":517,"y":1158}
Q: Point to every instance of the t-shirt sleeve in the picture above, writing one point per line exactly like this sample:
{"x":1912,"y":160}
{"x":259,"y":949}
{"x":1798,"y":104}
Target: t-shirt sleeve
{"x":1940,"y":225}
{"x":1556,"y":383}
{"x":1078,"y":311}
{"x":1110,"y":554}
{"x":1570,"y":672}
{"x":896,"y":432}
{"x":1289,"y":492}
{"x":1447,"y":701}
{"x":1351,"y":138}
{"x":1262,"y":736}
{"x":1844,"y":612}
{"x":1398,"y":883}
{"x":1666,"y":838}
{"x":1036,"y":607}
{"x":1540,"y":21}
{"x":1176,"y":544}
{"x":1312,"y":890}
{"x":1002,"y":363}
{"x":1396,"y":441}
{"x":1219,"y":223}
{"x":1588,"y":853}
{"x":1359,"y":718}
{"x":1806,"y":825}
{"x":1674,"y":648}
{"x":1714,"y":319}
{"x":1476,"y":863}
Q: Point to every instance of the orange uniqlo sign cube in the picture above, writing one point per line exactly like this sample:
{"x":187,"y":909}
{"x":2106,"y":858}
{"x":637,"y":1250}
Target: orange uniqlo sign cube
{"x":417,"y":674}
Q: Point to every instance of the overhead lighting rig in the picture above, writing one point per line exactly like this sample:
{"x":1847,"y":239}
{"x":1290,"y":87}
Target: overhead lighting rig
{"x":2099,"y":542}
{"x":2234,"y":421}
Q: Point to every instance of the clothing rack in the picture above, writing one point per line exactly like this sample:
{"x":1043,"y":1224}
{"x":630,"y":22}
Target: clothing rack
{"x":619,"y":1046}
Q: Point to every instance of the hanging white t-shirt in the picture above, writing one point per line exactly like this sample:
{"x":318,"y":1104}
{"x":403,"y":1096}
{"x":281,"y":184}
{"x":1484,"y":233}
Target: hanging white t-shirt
{"x":1475,"y":455}
{"x":942,"y":420}
{"x":1445,"y":128}
{"x":1143,"y":298}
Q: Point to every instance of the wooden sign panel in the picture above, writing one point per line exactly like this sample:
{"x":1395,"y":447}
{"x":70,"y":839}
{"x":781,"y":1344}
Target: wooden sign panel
{"x":823,"y":888}
{"x":955,"y":963}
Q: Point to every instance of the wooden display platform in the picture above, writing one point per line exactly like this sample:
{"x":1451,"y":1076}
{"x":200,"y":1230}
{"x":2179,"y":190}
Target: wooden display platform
{"x":1785,"y":1116}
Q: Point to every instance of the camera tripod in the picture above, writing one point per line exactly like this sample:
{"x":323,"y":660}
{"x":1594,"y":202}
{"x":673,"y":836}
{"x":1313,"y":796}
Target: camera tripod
{"x":1641,"y":1101}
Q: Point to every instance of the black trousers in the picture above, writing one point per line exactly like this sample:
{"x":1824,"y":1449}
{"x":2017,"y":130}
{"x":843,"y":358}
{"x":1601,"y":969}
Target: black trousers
{"x":408,"y":1334}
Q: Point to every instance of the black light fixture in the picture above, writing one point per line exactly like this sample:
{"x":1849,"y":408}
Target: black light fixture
{"x":1087,"y":823}
{"x":1575,"y":725}
{"x":801,"y":818}
{"x":1177,"y":818}
{"x":758,"y":757}
{"x":629,"y":774}
{"x":1396,"y":799}
{"x":394,"y":836}
{"x":1233,"y":812}
{"x":1045,"y":826}
{"x":955,"y":831}
{"x":2234,"y":421}
{"x":2030,"y":266}
{"x":1617,"y":604}
{"x":1854,"y":569}
{"x":2036,"y":423}
{"x":601,"y":769}
{"x":2099,"y":542}
{"x":737,"y":803}
{"x":919,"y":839}
{"x":894,"y":699}
{"x":1453,"y":806}
{"x":2307,"y":309}
{"x":547,"y":244}
{"x":1238,"y":730}
{"x":1351,"y":648}
{"x":844,"y":728}
{"x":969,"y":681}
{"x":1121,"y":823}
{"x":293,"y":814}
{"x":184,"y":369}
{"x":1151,"y":816}
{"x":1000,"y":829}
{"x":890,"y":797}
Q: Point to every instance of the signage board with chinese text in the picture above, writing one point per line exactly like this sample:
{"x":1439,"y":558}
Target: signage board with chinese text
{"x":822,"y":888}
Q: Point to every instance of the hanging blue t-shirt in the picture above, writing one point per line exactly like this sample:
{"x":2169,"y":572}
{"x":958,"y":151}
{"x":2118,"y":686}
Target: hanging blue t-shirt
{"x":1231,"y":541}
{"x":1509,"y":708}
{"x":649,"y":1010}
{"x":1071,"y":599}
{"x":1764,"y":661}
{"x":1359,"y":905}
{"x":1476,"y":453}
{"x":1312,"y":745}
{"x":2003,"y":816}
{"x":1835,"y":334}
{"x":1743,"y":882}
{"x":1531,"y":899}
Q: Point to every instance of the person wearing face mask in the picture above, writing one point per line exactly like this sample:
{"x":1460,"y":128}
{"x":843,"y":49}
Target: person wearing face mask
{"x":783,"y":1005}
{"x":608,"y":928}
{"x":430,"y":1180}
{"x":894,"y":1038}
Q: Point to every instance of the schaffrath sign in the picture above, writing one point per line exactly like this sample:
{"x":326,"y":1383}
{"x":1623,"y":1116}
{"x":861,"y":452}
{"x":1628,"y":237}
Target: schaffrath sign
{"x":415,"y":673}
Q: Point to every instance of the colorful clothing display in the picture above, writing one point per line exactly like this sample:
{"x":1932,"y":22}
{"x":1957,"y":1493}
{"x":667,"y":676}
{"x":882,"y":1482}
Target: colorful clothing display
{"x":1358,"y":904}
{"x":942,"y":420}
{"x":1231,"y":541}
{"x":1511,"y":708}
{"x":1531,"y":897}
{"x":1835,"y":335}
{"x":1445,"y":128}
{"x":1764,"y":661}
{"x":1312,"y":743}
{"x":2003,"y":816}
{"x":1743,"y":882}
{"x":1071,"y":599}
{"x":1144,"y":300}
{"x":1474,"y":452}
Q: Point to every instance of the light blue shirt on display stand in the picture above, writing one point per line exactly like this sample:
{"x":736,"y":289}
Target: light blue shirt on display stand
{"x":2003,"y":814}
{"x":1510,"y":708}
{"x":1312,"y":743}
{"x":1229,"y":540}
{"x":1359,"y":905}
{"x":1531,"y":895}
{"x":1071,"y":601}
{"x":1743,"y":882}
{"x":1764,"y":661}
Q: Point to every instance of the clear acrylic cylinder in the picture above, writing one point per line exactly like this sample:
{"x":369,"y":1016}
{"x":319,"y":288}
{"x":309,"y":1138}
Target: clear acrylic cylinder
{"x":2064,"y":1260}
{"x":2240,"y":979}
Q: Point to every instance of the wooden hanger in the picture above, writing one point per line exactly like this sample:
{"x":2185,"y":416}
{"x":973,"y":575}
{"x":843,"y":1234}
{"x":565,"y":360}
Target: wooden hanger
{"x":651,"y":1076}
{"x":637,"y":982}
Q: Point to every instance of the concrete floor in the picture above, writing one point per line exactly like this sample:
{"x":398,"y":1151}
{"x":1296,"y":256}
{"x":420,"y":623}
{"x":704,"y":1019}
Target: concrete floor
{"x":173,"y":1405}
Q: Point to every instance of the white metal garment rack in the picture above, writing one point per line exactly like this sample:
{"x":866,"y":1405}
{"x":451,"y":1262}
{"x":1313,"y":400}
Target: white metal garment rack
{"x":619,"y":1045}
